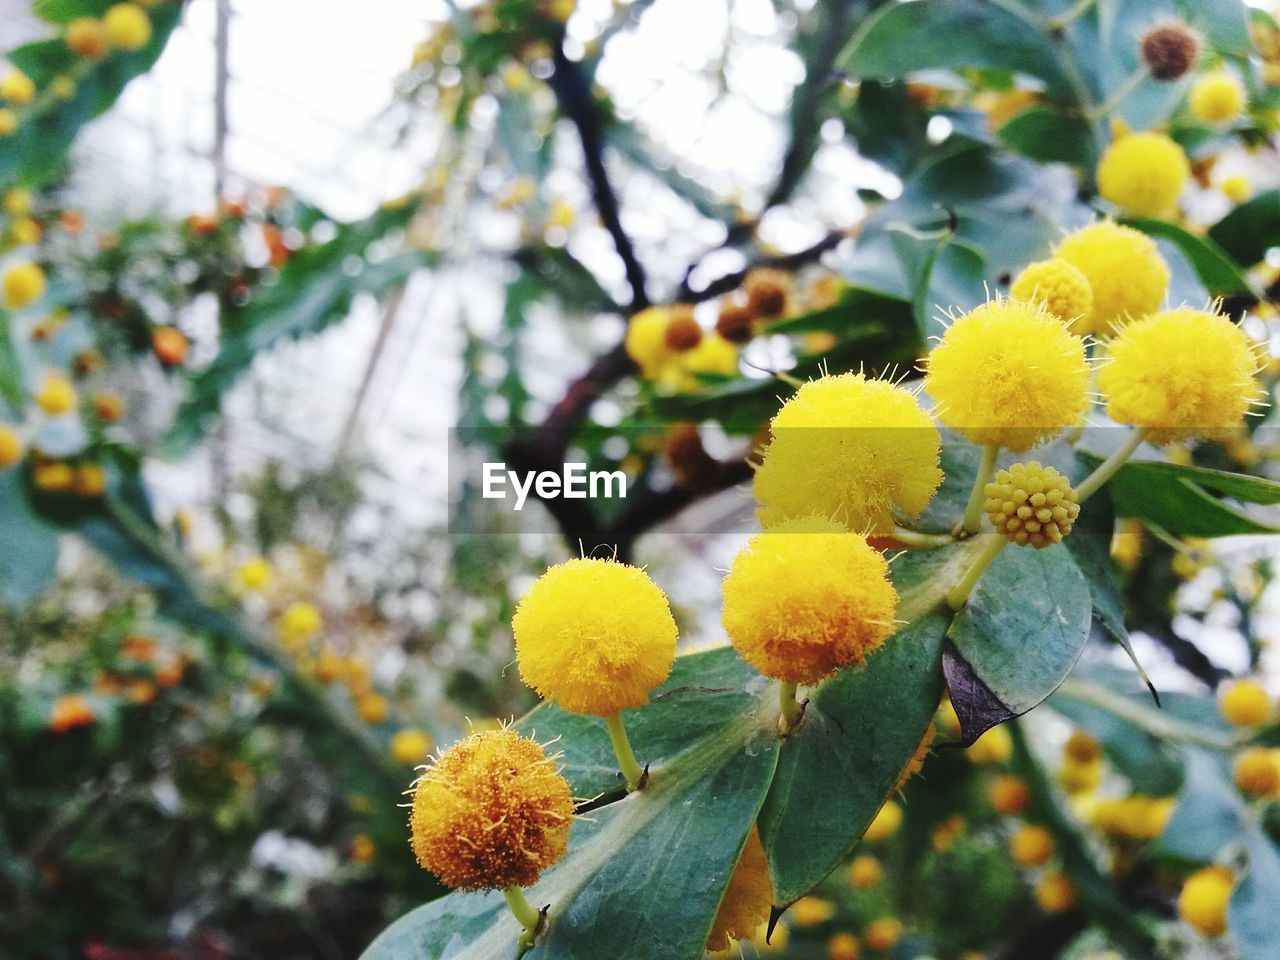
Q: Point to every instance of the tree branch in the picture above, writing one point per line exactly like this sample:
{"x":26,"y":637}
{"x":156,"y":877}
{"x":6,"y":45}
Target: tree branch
{"x":573,"y":91}
{"x":787,"y":261}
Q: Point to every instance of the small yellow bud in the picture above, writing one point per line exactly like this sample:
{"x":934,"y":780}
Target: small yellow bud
{"x":1055,"y":893}
{"x":1203,"y":900}
{"x":993,"y":747}
{"x":17,"y":87}
{"x":1257,"y":772}
{"x":23,"y":285}
{"x":883,"y":933}
{"x":865,"y":872}
{"x":1009,"y":795}
{"x":1245,"y":704}
{"x":254,"y":574}
{"x":10,"y":447}
{"x":886,"y":823}
{"x":57,"y":396}
{"x":1217,"y":97}
{"x":410,"y":747}
{"x":128,"y":27}
{"x":1031,"y":846}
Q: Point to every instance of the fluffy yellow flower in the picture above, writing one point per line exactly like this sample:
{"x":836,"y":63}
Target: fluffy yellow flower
{"x":747,"y":898}
{"x":1245,"y":704}
{"x":1008,"y":372}
{"x":410,"y":746}
{"x":57,"y":395}
{"x":1031,"y":846}
{"x":1054,"y":893}
{"x":17,"y":87}
{"x":1237,"y":188}
{"x":128,"y":26}
{"x":10,"y":447}
{"x":865,"y":872}
{"x":843,"y":946}
{"x":1143,"y":173}
{"x":1203,"y":900}
{"x":87,"y":38}
{"x":1009,"y":795}
{"x":1217,"y":97}
{"x":299,"y":620}
{"x":491,"y":812}
{"x":1181,"y":373}
{"x":1061,"y":287}
{"x":883,"y":933}
{"x":993,"y":747}
{"x":1257,"y":772}
{"x":646,"y":341}
{"x":1127,"y":276}
{"x":372,"y":708}
{"x":594,"y":636}
{"x":851,"y":449}
{"x":23,"y":285}
{"x":800,"y":621}
{"x":254,"y":574}
{"x":886,"y":823}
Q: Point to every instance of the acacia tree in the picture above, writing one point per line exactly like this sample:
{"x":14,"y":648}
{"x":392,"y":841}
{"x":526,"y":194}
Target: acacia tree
{"x":1090,"y":348}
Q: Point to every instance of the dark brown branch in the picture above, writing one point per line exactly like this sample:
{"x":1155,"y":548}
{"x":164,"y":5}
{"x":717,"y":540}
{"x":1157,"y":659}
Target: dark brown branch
{"x":652,"y":507}
{"x":787,"y":261}
{"x":573,"y":91}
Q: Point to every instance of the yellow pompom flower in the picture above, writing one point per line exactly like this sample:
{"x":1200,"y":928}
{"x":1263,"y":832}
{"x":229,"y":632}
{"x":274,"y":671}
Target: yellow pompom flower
{"x":1031,"y":846}
{"x":1203,"y":900}
{"x":1236,"y":188}
{"x":1257,"y":772}
{"x":1143,"y":173}
{"x":299,"y":621}
{"x":25,"y":232}
{"x":883,"y":933}
{"x":492,"y":812}
{"x":17,"y":202}
{"x":1217,"y":97}
{"x":646,"y":341}
{"x":128,"y":26}
{"x":17,"y":87}
{"x":1030,"y":504}
{"x":372,"y":708}
{"x":594,"y":636}
{"x":1055,"y":893}
{"x":811,"y":911}
{"x":746,"y":899}
{"x":993,"y":747}
{"x":1126,"y":274}
{"x":8,"y":122}
{"x":254,"y":574}
{"x":1009,"y":795}
{"x":23,"y":285}
{"x":53,"y":476}
{"x":1245,"y":704}
{"x":57,"y":395}
{"x":1181,"y":374}
{"x":852,"y":449}
{"x":1008,"y":373}
{"x":410,"y":746}
{"x":865,"y":872}
{"x":10,"y":447}
{"x":843,"y":946}
{"x":87,"y":38}
{"x":1060,"y":287}
{"x":799,"y":621}
{"x":886,"y":823}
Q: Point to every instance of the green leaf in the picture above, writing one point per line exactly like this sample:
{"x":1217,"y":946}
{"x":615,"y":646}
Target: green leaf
{"x":919,"y":253}
{"x":34,"y":154}
{"x":1045,"y":133}
{"x":28,"y":545}
{"x":1219,"y":273}
{"x":645,"y":874}
{"x":1251,"y":914}
{"x":314,"y":291}
{"x":859,"y":730}
{"x":1251,"y":229}
{"x":1177,"y":498}
{"x":929,"y":34}
{"x":1024,"y":627}
{"x":1210,"y":813}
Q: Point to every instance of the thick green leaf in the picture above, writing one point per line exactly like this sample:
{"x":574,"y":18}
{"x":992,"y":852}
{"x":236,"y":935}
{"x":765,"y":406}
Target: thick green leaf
{"x":858,"y":732}
{"x":1176,"y":498}
{"x":28,"y":545}
{"x":1251,"y":229}
{"x":1210,"y":812}
{"x":929,"y":34}
{"x":645,"y":874}
{"x":315,"y":290}
{"x":1024,"y":627}
{"x":1251,"y":914}
{"x":34,"y":154}
{"x":1044,"y":133}
{"x":1219,"y":273}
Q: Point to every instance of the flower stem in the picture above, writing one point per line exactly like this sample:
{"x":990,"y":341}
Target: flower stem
{"x":627,"y":761}
{"x":1094,"y":481}
{"x":1131,"y":83}
{"x":522,"y":909}
{"x":958,"y":595}
{"x":790,"y":704}
{"x":914,"y":538}
{"x":973,"y":512}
